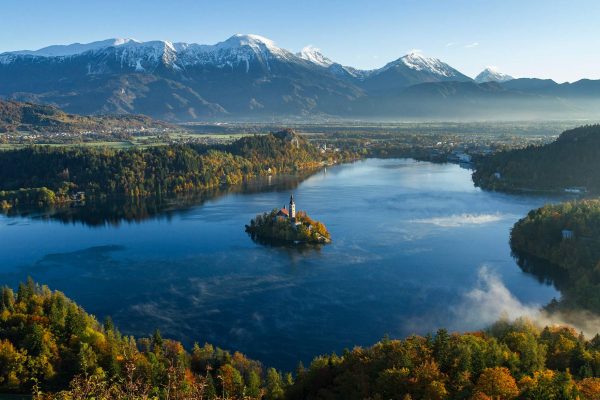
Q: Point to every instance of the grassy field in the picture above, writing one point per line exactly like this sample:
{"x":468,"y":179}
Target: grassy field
{"x":141,"y":141}
{"x":117,"y":145}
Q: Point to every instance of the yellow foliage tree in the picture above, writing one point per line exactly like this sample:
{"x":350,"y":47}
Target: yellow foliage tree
{"x":589,"y":388}
{"x":497,"y":383}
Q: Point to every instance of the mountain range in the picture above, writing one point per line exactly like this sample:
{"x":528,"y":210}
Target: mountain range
{"x":250,"y":77}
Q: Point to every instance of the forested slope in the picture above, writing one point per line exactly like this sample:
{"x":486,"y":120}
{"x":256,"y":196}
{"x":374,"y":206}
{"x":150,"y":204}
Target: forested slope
{"x":571,"y":161}
{"x":29,"y":117}
{"x":572,"y":261}
{"x":47,"y":175}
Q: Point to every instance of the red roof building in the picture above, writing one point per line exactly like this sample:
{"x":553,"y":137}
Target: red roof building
{"x":283,"y":213}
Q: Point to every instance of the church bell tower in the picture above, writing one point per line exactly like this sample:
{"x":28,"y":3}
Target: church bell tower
{"x":292,"y":209}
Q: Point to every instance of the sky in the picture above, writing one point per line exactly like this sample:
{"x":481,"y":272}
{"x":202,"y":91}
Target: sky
{"x":544,"y":39}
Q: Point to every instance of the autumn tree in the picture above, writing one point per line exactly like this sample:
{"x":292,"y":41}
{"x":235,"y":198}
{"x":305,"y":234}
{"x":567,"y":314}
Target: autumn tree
{"x":497,"y":383}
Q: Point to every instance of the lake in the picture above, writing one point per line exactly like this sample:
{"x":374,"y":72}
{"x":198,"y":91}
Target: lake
{"x":415,"y":247}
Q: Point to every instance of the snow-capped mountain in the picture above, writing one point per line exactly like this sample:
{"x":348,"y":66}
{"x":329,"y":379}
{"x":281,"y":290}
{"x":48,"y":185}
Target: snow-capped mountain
{"x":314,"y":55}
{"x":73,"y":49}
{"x":418,"y":62}
{"x":237,"y":50}
{"x":249,"y":75}
{"x":412,"y":69}
{"x":245,"y":73}
{"x":102,"y":57}
{"x":491,"y":74}
{"x":139,"y":56}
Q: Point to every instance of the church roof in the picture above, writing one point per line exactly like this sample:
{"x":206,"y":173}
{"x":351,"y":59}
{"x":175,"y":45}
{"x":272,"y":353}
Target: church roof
{"x":284,"y":211}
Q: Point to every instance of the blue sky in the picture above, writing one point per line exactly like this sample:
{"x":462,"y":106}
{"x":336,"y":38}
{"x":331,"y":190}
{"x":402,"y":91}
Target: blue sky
{"x":548,"y":39}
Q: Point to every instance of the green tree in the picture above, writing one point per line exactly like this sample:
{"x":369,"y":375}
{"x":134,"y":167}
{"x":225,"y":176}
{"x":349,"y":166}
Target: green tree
{"x":274,"y":385}
{"x":253,"y":385}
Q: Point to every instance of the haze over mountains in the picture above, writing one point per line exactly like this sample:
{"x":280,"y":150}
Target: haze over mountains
{"x":250,"y":77}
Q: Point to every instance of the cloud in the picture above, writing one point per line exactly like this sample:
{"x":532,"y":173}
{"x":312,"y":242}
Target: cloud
{"x":413,"y":51}
{"x":458,"y":220}
{"x":471,"y":45}
{"x":450,"y":44}
{"x":490,"y":300}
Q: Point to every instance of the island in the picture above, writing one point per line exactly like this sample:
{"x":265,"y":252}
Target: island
{"x":285,"y":225}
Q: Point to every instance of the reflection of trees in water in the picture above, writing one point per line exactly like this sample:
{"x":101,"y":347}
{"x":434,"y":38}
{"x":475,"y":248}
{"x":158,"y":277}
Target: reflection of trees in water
{"x":546,"y":273}
{"x":116,"y":210}
{"x":291,"y":248}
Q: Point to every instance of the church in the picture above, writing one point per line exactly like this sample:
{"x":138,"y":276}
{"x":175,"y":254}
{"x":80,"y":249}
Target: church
{"x":288,"y":213}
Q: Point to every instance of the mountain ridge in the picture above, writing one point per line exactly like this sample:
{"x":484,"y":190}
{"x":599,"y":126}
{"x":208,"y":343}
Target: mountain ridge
{"x":190,"y":51}
{"x":249,"y":76}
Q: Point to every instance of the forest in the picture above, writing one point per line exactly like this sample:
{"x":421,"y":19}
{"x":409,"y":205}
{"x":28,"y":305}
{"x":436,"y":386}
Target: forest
{"x":567,"y":237}
{"x":570,"y":161}
{"x":43,"y":175}
{"x":51,"y":347}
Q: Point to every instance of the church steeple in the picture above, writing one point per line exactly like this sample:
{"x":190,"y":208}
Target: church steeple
{"x":292,"y":209}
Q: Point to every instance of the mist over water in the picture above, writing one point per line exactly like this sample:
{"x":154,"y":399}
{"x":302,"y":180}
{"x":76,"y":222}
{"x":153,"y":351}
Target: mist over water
{"x":490,"y":300}
{"x":415,"y":247}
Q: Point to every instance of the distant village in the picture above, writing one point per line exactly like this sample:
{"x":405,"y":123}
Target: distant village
{"x":27,"y":137}
{"x":458,"y":149}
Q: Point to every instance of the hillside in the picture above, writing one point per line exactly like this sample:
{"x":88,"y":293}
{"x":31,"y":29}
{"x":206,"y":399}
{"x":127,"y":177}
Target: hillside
{"x":51,"y":347}
{"x":37,"y":118}
{"x":569,"y":162}
{"x":48,"y":343}
{"x":43,"y":175}
{"x":572,"y":263}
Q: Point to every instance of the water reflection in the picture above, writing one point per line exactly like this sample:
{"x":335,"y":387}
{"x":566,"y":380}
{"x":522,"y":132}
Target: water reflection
{"x":542,"y":270}
{"x":290,"y":248}
{"x":120,"y":209}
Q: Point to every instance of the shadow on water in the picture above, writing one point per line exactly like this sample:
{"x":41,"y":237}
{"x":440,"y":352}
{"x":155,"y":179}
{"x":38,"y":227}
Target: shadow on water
{"x":544,"y":271}
{"x":578,"y":303}
{"x":291,"y":248}
{"x":116,"y":210}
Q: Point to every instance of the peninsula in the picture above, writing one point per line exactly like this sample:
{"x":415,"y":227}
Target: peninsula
{"x":287,"y":225}
{"x":561,"y":243}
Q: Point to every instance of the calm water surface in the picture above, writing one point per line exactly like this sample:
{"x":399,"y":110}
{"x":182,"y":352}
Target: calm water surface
{"x":416,"y":247}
